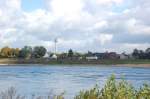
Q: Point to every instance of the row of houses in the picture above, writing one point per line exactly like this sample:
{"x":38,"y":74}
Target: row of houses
{"x":108,"y":55}
{"x":93,"y":56}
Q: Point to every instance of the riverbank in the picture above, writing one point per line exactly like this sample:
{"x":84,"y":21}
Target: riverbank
{"x":134,"y":65}
{"x":46,"y":61}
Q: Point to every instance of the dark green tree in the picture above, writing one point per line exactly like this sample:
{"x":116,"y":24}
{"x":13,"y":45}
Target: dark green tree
{"x":70,"y":53}
{"x":25,"y":52}
{"x":39,"y":51}
{"x":135,"y":53}
{"x":147,"y":52}
{"x":142,"y":54}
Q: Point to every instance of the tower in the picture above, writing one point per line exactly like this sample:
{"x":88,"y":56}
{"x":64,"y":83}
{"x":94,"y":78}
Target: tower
{"x":55,"y":45}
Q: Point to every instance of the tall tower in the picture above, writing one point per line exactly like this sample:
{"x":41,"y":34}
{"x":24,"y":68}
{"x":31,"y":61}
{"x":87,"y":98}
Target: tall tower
{"x":55,"y":45}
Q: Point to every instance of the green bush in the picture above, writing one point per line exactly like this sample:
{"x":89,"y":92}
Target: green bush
{"x":116,"y":90}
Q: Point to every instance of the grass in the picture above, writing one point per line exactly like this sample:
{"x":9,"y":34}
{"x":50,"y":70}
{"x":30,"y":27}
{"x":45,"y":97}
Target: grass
{"x":112,"y":90}
{"x":127,"y":61}
{"x":72,"y":62}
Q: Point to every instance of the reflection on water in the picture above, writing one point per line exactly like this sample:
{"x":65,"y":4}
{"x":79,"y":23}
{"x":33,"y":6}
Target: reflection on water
{"x":42,"y":79}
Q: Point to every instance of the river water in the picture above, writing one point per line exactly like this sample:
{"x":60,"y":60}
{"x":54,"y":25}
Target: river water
{"x":42,"y":79}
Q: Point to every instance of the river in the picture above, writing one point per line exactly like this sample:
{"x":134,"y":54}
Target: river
{"x":42,"y":79}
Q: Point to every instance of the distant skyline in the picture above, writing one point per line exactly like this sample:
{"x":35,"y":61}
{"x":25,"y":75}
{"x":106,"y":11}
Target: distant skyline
{"x":94,"y":25}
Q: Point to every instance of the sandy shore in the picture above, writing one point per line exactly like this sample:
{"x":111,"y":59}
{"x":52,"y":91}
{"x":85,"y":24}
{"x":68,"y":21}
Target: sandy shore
{"x":134,"y":65}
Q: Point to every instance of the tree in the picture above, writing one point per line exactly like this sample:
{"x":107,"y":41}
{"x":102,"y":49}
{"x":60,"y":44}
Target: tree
{"x":6,"y":52}
{"x":142,"y":54}
{"x":16,"y":52}
{"x":39,"y":51}
{"x":70,"y":53}
{"x":135,"y":53}
{"x":25,"y":52}
{"x":147,"y":52}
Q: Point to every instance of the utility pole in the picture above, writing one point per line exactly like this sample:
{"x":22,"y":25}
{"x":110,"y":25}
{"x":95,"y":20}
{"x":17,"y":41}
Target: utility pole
{"x":55,"y":45}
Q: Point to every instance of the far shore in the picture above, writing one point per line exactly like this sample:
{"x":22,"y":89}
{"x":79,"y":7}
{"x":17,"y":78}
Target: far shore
{"x":118,"y":65}
{"x":98,"y":65}
{"x":48,"y":62}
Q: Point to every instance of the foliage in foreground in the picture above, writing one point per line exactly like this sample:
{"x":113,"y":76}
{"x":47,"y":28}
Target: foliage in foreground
{"x":112,"y":90}
{"x":11,"y":93}
{"x":116,"y":90}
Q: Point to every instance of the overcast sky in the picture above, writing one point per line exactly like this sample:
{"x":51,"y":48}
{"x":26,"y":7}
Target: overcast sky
{"x":95,"y":25}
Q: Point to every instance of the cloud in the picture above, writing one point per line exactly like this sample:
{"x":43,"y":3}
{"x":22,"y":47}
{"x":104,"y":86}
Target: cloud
{"x":0,"y":12}
{"x":109,"y":2}
{"x":66,"y":7}
{"x":131,"y":46}
{"x":136,"y":27}
{"x":104,"y":38}
{"x":100,"y":24}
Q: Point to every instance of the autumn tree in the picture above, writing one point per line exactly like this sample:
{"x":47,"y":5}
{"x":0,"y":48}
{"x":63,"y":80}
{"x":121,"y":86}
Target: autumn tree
{"x":5,"y":52}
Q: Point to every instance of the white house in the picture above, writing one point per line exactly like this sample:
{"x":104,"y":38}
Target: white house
{"x":46,"y":55}
{"x":91,"y":57}
{"x":54,"y":56}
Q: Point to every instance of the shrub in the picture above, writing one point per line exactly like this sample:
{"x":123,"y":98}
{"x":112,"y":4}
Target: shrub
{"x":116,"y":90}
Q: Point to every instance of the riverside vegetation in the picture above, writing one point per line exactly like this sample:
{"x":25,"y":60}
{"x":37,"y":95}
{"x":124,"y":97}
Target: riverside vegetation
{"x":40,"y":55}
{"x":112,"y":90}
{"x":40,"y":51}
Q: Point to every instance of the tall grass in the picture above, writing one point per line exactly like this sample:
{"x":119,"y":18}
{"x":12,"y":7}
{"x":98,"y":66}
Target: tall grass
{"x":11,"y":93}
{"x":112,"y":90}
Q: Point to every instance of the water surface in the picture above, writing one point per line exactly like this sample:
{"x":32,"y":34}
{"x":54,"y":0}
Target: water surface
{"x":41,"y":79}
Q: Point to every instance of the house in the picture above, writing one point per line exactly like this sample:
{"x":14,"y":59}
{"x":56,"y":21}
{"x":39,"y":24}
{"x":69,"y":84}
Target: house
{"x":46,"y":55}
{"x":54,"y":56}
{"x":91,"y":56}
{"x":99,"y":55}
{"x":63,"y":56}
{"x":111,"y":55}
{"x":124,"y":56}
{"x":77,"y":57}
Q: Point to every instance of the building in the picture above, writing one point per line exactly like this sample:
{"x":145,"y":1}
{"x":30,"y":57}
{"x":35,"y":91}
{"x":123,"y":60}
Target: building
{"x":54,"y":56}
{"x":99,"y":55}
{"x":124,"y":56}
{"x":91,"y":56}
{"x":111,"y":55}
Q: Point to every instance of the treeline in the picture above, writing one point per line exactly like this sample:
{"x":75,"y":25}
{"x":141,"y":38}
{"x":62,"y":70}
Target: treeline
{"x":40,"y":51}
{"x":141,"y":54}
{"x":25,"y":52}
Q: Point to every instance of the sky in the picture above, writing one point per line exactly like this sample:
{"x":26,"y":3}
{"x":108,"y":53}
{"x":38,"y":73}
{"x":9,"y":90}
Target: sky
{"x":82,"y":25}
